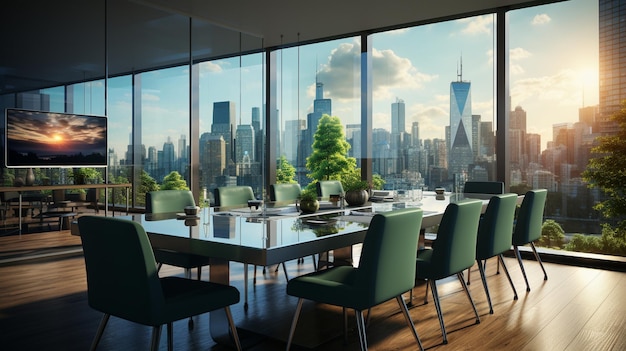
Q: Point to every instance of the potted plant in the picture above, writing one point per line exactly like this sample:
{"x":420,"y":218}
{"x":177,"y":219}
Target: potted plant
{"x":356,"y":192}
{"x":308,"y":201}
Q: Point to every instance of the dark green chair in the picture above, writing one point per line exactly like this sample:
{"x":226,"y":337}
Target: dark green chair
{"x":528,"y":227}
{"x":386,"y":270}
{"x":494,"y":236}
{"x":452,"y":252}
{"x":122,"y":281}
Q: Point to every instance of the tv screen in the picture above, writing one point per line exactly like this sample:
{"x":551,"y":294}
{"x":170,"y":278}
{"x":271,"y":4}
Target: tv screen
{"x":51,"y":139}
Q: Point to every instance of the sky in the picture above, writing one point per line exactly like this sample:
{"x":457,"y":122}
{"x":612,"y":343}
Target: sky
{"x":553,"y":70}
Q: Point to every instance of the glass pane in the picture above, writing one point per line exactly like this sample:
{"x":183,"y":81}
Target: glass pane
{"x":433,"y":106}
{"x":559,"y":112}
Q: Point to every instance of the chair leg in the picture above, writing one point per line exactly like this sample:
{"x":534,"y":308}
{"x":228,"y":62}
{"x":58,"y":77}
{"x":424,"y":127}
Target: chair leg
{"x":545,"y":275}
{"x":156,"y":336}
{"x":285,"y":270}
{"x":233,"y":328}
{"x":521,"y":266}
{"x":481,"y":269}
{"x":409,"y":321}
{"x":170,"y":337}
{"x":294,"y":322}
{"x":159,"y":265}
{"x":314,"y":263}
{"x":506,"y":271}
{"x":469,"y":272}
{"x":426,"y":292}
{"x":103,"y":324}
{"x":360,"y":323}
{"x":245,"y":285}
{"x":469,"y":296}
{"x":344,"y":314}
{"x":433,"y":287}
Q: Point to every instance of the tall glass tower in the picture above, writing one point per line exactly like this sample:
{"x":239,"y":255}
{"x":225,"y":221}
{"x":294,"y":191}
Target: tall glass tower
{"x":460,"y":155}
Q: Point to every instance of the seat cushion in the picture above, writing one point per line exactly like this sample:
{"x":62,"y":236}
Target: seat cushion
{"x":178,"y":259}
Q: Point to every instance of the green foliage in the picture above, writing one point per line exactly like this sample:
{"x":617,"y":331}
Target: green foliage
{"x":308,"y":195}
{"x":174,"y":181}
{"x":147,"y":184}
{"x":329,"y":159}
{"x":612,"y":242}
{"x":607,"y":171}
{"x":352,"y":181}
{"x":552,"y":235}
{"x":82,"y":175}
{"x":285,"y":172}
{"x":378,"y":182}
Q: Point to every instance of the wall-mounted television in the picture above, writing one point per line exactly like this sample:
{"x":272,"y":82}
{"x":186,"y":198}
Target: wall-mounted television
{"x":37,"y":139}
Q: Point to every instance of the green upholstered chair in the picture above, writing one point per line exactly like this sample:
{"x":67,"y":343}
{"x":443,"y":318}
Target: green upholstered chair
{"x":528,"y":227}
{"x":286,"y":192}
{"x":164,"y":201}
{"x":229,"y":196}
{"x":122,"y":281}
{"x":480,"y":187}
{"x":325,"y":188}
{"x":452,"y":252}
{"x":386,"y":270}
{"x":477,"y":187}
{"x":494,"y":236}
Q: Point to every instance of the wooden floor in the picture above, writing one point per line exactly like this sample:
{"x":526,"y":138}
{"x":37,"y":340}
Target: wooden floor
{"x":43,"y":306}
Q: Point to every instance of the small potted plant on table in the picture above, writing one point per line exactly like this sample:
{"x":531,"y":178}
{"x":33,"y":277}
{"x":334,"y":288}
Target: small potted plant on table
{"x":308,"y":201}
{"x":356,"y":192}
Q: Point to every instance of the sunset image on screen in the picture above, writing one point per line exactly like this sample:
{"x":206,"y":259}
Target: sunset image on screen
{"x":42,"y":139}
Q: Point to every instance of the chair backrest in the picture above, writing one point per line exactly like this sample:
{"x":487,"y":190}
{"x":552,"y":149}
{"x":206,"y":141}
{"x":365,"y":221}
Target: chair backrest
{"x":496,"y":226}
{"x":325,"y":188}
{"x":163,"y":201}
{"x":233,"y":195}
{"x":387,"y":264}
{"x":530,"y":217}
{"x":122,"y":275}
{"x":454,"y":250}
{"x":284,"y":192}
{"x":476,"y":187}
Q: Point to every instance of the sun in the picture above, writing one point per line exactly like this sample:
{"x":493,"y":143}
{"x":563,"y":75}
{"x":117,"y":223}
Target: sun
{"x":57,"y":139}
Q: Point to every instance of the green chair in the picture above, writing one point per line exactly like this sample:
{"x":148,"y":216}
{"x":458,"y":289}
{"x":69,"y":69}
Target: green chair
{"x":164,"y":201}
{"x":286,"y":192}
{"x":229,"y":196}
{"x":122,"y":281}
{"x":528,"y":227}
{"x":325,"y":188}
{"x":494,"y":236}
{"x":452,"y":252}
{"x":386,"y":270}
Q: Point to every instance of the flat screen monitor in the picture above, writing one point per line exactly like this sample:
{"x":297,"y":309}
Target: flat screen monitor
{"x":37,"y":139}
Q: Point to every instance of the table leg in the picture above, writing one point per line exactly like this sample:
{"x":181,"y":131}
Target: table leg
{"x":220,"y":273}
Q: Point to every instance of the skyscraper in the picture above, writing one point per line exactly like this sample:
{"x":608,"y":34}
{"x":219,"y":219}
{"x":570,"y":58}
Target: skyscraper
{"x":321,"y":107}
{"x":224,"y":119}
{"x":245,"y":144}
{"x":612,"y":75}
{"x":398,"y":129}
{"x":460,"y":155}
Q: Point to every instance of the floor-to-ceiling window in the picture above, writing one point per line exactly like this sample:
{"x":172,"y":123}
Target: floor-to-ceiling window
{"x":433,"y":105}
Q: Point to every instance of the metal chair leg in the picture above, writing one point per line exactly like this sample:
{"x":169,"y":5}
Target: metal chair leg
{"x":103,"y":324}
{"x":233,"y":328}
{"x":469,"y":296}
{"x":433,"y":288}
{"x":409,"y":321}
{"x":245,"y":285}
{"x":294,"y":322}
{"x":426,"y":292}
{"x":360,"y":323}
{"x":481,"y":269}
{"x":156,"y":336}
{"x":506,"y":271}
{"x":170,"y":337}
{"x":521,"y":266}
{"x":545,"y":275}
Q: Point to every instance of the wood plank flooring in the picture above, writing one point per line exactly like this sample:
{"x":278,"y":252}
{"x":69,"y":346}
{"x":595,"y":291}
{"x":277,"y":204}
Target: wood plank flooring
{"x":43,"y":306}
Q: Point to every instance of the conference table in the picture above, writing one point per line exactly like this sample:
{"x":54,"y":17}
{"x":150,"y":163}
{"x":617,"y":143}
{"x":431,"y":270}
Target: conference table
{"x":274,"y":234}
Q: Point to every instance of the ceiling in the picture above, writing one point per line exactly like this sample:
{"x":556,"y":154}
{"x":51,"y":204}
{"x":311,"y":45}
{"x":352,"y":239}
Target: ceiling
{"x":52,"y":43}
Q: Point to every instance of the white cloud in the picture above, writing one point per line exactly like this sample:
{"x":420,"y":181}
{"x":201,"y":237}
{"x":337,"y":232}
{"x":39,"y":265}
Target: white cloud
{"x":477,"y":25}
{"x":519,"y":54}
{"x":559,"y":88}
{"x":391,"y":72}
{"x":541,"y":19}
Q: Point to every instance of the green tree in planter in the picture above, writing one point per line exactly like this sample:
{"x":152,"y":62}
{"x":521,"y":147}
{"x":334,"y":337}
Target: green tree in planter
{"x":329,"y":159}
{"x":552,"y":235}
{"x":174,"y":181}
{"x":147,"y":184}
